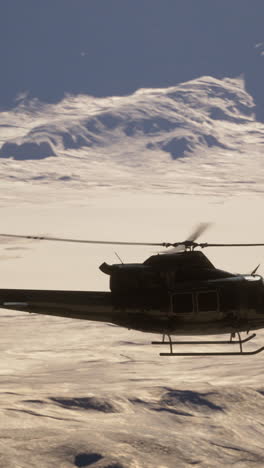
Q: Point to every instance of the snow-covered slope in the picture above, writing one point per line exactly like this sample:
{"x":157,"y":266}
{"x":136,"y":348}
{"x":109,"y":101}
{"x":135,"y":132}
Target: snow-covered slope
{"x":77,"y":394}
{"x":207,"y":124}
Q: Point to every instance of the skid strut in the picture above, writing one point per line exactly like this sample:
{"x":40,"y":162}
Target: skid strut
{"x":226,"y":342}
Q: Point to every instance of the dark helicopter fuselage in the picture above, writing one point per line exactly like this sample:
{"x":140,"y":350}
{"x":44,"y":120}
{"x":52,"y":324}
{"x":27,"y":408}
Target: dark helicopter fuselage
{"x":179,"y":293}
{"x":184,"y":293}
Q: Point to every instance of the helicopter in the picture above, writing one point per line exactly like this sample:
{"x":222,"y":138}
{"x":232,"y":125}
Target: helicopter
{"x":172,"y":293}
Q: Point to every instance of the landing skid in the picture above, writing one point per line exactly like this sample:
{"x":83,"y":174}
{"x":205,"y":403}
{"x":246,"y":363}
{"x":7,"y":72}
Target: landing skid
{"x":226,"y":342}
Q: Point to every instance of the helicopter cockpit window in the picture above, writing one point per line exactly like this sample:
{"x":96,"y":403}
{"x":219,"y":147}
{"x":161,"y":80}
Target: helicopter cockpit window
{"x":207,"y":301}
{"x":182,"y":303}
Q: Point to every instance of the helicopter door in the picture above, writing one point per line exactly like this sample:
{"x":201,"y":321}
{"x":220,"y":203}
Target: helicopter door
{"x":182,"y":303}
{"x":207,"y":301}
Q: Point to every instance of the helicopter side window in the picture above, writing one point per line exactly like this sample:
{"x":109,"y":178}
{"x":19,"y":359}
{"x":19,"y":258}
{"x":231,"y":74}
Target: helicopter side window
{"x":182,"y":303}
{"x":207,"y":301}
{"x":228,"y":300}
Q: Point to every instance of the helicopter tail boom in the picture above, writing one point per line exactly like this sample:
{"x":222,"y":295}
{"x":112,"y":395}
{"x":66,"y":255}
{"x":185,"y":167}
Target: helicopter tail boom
{"x":72,"y":304}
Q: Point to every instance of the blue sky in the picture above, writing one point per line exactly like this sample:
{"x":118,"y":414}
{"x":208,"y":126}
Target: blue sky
{"x":112,"y":47}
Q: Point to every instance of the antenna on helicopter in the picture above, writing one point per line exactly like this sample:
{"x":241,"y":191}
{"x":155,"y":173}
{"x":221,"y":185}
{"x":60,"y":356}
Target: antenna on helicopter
{"x":119,"y":258}
{"x":255,"y":270}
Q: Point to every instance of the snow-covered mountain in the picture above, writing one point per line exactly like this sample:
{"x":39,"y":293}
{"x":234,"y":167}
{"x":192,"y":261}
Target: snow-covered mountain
{"x":206,"y":124}
{"x":179,"y":120}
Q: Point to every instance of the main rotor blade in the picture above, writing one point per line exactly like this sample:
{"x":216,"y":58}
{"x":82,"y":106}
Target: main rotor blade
{"x":83,"y":241}
{"x":205,"y":244}
{"x":199,"y":230}
{"x":181,"y":246}
{"x":190,"y":243}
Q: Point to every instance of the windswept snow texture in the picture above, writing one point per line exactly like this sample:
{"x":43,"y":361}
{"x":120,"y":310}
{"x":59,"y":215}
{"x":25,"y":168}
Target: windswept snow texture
{"x":145,"y":167}
{"x":198,"y":137}
{"x":84,"y":394}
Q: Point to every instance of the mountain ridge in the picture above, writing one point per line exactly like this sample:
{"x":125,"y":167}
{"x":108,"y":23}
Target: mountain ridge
{"x":199,"y":137}
{"x":163,"y":116}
